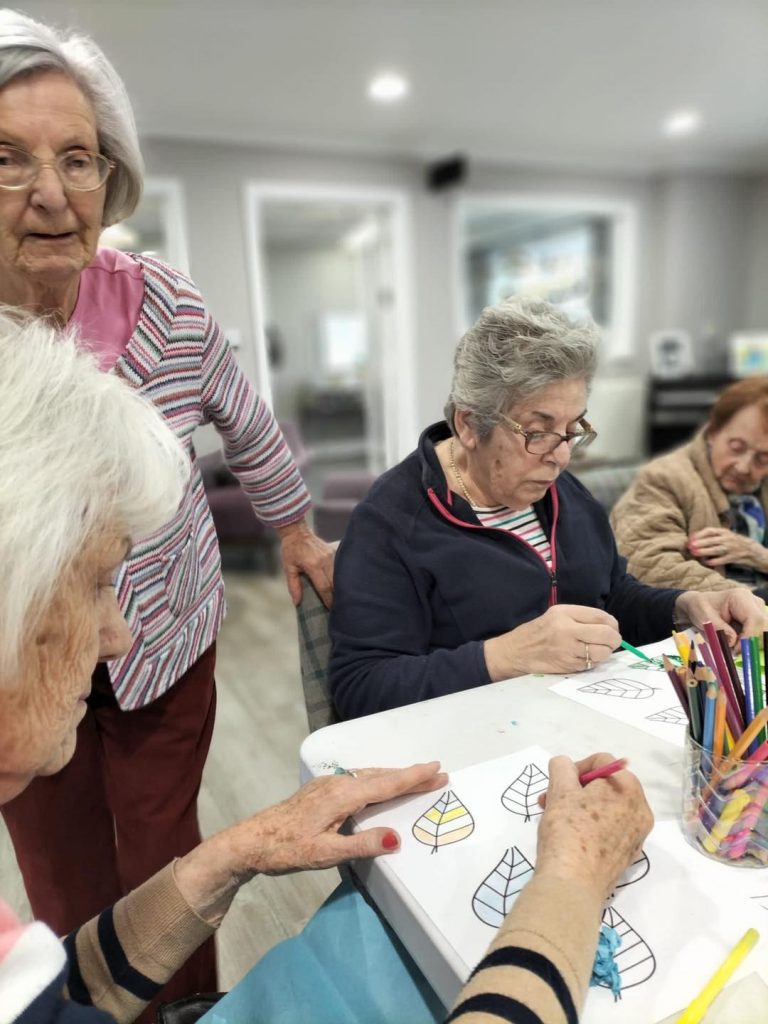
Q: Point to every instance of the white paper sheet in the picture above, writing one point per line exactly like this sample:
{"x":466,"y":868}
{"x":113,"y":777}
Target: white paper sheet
{"x":684,"y":918}
{"x":624,"y":688}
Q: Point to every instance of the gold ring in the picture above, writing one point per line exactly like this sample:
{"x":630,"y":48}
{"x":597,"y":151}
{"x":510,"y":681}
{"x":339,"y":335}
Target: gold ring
{"x":587,"y":657}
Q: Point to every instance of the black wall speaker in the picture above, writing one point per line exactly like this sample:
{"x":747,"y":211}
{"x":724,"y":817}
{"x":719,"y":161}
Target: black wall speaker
{"x":446,"y":173}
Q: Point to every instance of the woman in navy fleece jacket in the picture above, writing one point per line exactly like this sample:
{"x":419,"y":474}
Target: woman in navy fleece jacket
{"x":479,"y":557}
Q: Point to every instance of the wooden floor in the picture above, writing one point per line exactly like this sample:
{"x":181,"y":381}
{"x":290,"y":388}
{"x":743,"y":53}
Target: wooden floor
{"x":253,"y":762}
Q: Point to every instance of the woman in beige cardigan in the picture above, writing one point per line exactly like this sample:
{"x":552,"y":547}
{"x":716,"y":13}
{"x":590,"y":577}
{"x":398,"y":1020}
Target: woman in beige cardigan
{"x":695,"y":517}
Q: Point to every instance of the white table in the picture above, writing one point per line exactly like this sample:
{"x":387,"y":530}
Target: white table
{"x":477,"y":725}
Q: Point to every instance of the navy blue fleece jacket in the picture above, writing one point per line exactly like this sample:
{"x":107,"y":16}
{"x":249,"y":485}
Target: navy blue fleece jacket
{"x":419,"y":584}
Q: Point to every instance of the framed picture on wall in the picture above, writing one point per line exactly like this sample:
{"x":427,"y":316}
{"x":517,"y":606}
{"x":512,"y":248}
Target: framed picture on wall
{"x":671,"y":353}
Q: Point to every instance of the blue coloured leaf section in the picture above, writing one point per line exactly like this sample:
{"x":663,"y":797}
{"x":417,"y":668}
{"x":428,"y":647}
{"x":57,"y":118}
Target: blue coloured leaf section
{"x":634,"y":958}
{"x":494,"y":897}
{"x":522,"y":796}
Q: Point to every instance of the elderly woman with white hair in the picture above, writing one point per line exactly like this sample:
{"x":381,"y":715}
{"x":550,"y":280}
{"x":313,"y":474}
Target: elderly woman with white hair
{"x":87,"y":467}
{"x":480,"y":557}
{"x":69,"y":165}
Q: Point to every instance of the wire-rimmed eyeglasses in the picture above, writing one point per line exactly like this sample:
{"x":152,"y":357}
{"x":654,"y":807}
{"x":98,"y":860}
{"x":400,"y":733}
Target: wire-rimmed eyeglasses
{"x":542,"y":442}
{"x":78,"y":169}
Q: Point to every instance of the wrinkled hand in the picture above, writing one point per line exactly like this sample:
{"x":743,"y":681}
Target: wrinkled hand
{"x":591,"y":834}
{"x":303,"y":551}
{"x":715,"y":546}
{"x":299,"y":833}
{"x":302,"y":832}
{"x":554,"y":642}
{"x":737,"y":611}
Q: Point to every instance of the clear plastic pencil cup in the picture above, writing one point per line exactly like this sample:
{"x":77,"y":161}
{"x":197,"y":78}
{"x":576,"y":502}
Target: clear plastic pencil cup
{"x":725,"y":807}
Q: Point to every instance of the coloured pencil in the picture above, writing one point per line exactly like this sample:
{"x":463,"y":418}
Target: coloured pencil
{"x":709,"y":718}
{"x":718,"y":735}
{"x":604,"y":772}
{"x":754,"y":727}
{"x":683,"y":645}
{"x":694,"y":1012}
{"x":732,"y":671}
{"x":749,"y":693}
{"x":758,"y":701}
{"x":678,"y":685}
{"x":634,"y":650}
{"x":694,"y":708}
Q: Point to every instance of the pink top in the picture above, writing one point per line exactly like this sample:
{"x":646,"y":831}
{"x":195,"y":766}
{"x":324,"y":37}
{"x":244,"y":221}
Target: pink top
{"x":108,"y":304}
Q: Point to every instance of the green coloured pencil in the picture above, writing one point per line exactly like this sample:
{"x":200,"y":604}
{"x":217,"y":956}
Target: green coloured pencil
{"x":757,"y":679}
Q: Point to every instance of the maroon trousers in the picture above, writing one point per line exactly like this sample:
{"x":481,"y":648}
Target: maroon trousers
{"x":123,"y":808}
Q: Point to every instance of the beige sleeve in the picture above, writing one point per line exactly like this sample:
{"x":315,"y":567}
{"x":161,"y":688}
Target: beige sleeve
{"x":559,"y":919}
{"x":652,"y":529}
{"x":156,"y":931}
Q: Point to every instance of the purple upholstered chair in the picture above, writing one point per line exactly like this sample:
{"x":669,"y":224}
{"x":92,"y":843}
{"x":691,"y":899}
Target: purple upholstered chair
{"x":341,"y":492}
{"x":237,"y":527}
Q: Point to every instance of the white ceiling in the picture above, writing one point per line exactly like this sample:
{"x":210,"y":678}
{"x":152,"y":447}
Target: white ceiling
{"x":564,"y":83}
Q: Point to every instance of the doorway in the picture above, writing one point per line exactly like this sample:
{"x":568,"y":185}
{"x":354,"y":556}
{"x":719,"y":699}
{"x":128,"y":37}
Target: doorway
{"x":332,"y":323}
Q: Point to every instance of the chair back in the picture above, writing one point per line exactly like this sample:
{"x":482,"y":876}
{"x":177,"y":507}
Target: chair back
{"x":314,"y":655}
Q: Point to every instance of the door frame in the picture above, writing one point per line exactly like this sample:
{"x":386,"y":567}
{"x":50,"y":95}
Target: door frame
{"x":399,"y":369}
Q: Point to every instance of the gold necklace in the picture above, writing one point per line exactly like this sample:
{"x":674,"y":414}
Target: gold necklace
{"x":457,"y":474}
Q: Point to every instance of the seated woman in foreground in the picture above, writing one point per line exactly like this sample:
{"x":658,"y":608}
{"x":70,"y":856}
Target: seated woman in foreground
{"x":86,"y":465}
{"x":695,"y":517}
{"x":478,"y":557}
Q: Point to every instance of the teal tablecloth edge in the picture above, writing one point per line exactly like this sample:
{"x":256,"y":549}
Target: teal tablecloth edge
{"x":346,"y":967}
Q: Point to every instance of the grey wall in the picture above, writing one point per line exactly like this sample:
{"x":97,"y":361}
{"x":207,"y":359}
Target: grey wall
{"x":703,"y":244}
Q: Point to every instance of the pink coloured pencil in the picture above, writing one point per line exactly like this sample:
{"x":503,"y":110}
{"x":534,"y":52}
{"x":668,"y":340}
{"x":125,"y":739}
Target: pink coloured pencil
{"x":604,"y":772}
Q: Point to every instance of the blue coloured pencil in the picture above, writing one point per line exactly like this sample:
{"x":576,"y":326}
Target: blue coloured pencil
{"x":708,"y":731}
{"x":746,"y":671}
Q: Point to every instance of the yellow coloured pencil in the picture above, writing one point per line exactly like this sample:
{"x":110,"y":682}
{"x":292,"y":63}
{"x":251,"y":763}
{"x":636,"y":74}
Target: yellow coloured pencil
{"x":694,"y":1012}
{"x":750,"y":733}
{"x":683,"y":646}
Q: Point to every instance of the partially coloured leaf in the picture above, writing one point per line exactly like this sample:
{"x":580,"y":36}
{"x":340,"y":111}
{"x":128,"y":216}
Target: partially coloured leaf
{"x":447,"y":821}
{"x":634,"y":958}
{"x":494,"y":896}
{"x":521,"y":796}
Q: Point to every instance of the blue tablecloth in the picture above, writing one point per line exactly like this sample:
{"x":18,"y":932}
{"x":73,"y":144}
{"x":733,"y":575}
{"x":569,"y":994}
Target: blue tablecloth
{"x":346,"y":967}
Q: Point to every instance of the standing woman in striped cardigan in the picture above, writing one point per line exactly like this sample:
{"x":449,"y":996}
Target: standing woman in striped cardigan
{"x":69,"y":165}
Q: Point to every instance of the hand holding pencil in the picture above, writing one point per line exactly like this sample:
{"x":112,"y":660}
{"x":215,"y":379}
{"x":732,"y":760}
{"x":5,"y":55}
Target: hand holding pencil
{"x":592,"y":832}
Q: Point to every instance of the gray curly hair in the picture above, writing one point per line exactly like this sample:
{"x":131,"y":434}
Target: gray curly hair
{"x":28,"y":47}
{"x":514,"y":350}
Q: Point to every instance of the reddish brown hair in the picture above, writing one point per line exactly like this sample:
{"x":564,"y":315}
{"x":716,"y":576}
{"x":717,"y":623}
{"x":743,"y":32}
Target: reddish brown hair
{"x":750,"y":391}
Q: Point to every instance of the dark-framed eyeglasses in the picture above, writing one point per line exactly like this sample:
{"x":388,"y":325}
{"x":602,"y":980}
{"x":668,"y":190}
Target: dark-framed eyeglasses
{"x":542,"y":442}
{"x":78,"y":169}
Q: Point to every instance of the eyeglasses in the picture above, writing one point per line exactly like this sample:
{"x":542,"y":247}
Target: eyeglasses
{"x":78,"y":169}
{"x":542,"y":442}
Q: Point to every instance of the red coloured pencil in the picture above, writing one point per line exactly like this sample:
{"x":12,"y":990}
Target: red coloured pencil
{"x":604,"y":772}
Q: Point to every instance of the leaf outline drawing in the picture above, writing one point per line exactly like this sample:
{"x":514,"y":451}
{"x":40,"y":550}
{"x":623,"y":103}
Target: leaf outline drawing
{"x":626,"y":689}
{"x":669,"y":716}
{"x":634,"y":957}
{"x":521,"y":796}
{"x":493,"y":898}
{"x":446,"y":821}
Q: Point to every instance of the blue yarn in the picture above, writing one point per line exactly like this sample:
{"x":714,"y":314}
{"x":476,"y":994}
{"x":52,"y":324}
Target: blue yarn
{"x":605,"y":970}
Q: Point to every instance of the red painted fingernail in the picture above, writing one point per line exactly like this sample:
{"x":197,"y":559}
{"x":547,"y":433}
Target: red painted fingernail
{"x":390,"y":841}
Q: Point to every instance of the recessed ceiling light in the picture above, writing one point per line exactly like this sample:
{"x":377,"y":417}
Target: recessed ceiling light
{"x":682,"y":122}
{"x":388,"y":88}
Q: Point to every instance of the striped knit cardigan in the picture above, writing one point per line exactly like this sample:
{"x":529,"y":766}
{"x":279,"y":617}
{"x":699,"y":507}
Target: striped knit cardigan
{"x":170,"y":588}
{"x":117,"y":962}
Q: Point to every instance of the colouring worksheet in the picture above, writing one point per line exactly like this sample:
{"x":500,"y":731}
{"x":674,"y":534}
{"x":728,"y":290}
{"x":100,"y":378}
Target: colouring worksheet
{"x":635,"y":692}
{"x":469,"y":849}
